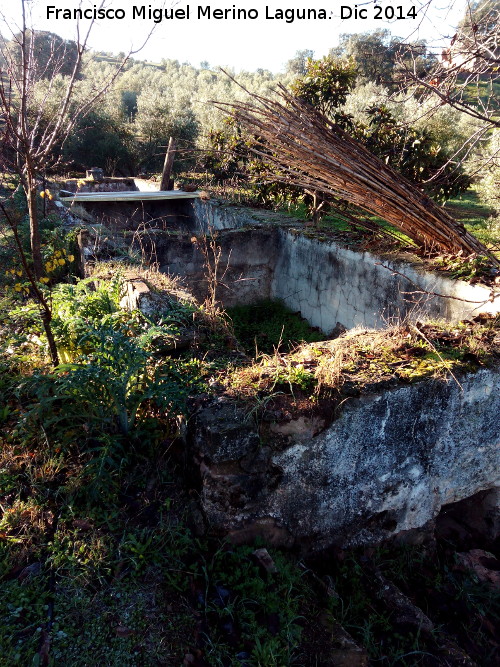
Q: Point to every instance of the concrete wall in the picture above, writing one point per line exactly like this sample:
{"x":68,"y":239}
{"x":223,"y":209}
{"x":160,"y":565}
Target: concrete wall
{"x":331,"y":284}
{"x":324,"y":281}
{"x":264,"y":256}
{"x":244,"y":268}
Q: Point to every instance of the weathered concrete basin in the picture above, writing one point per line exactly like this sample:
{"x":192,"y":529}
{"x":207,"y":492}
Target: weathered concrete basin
{"x":390,"y":459}
{"x":264,"y":255}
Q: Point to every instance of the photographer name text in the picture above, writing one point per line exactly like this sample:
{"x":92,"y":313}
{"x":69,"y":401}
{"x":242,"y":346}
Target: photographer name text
{"x":207,"y":12}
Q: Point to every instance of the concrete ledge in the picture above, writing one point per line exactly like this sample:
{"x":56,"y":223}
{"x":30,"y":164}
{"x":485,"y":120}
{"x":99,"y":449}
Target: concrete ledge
{"x":81,"y":197}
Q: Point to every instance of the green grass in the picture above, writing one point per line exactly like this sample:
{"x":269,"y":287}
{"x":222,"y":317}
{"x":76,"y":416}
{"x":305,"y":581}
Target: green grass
{"x":488,"y":92}
{"x":476,"y":217}
{"x":268,"y":326}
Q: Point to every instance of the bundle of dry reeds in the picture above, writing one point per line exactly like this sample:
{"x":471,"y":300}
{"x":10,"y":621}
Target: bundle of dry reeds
{"x":313,"y":153}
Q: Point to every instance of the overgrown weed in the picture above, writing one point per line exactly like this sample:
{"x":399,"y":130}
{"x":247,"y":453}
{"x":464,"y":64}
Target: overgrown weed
{"x":362,"y":358}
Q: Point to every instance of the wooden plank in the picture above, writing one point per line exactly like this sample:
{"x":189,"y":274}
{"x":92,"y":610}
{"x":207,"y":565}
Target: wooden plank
{"x":130,"y":196}
{"x":168,"y":164}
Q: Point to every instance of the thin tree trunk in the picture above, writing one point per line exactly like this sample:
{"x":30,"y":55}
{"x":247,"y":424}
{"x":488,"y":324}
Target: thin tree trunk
{"x":35,"y":239}
{"x":45,"y":310}
{"x":46,"y":316}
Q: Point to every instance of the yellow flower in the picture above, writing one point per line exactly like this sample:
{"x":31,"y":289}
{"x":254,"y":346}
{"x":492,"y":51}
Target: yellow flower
{"x":44,"y":280}
{"x":61,"y":262}
{"x":48,"y":267}
{"x":42,"y":194}
{"x":57,"y":253}
{"x":18,"y":287}
{"x":19,"y":273}
{"x":71,"y":258}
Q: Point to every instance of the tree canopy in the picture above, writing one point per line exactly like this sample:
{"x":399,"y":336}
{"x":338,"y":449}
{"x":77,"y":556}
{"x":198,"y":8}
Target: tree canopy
{"x":51,"y":54}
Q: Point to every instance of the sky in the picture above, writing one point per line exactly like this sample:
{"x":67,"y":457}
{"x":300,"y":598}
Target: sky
{"x":266,"y":41}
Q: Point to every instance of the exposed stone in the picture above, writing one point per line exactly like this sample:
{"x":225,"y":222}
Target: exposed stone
{"x":264,"y":559}
{"x":387,"y":464}
{"x":224,"y":433}
{"x":96,"y":174}
{"x":138,"y":296}
{"x":404,"y":612}
{"x":267,"y":529}
{"x":299,"y":430}
{"x":483,"y":564}
{"x":344,"y":651}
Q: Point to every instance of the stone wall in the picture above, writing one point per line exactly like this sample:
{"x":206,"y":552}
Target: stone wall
{"x":386,"y":464}
{"x":264,"y":255}
{"x":244,"y":268}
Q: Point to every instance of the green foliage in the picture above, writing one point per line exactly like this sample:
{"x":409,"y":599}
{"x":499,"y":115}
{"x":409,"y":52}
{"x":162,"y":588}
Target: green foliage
{"x":52,"y":54}
{"x":489,"y":184}
{"x":58,"y":248}
{"x":298,"y":64}
{"x":23,"y":610}
{"x":162,"y":114}
{"x":480,"y":22}
{"x":109,"y":389}
{"x":82,"y":306}
{"x":376,"y":53}
{"x":476,"y":217}
{"x":268,"y":326}
{"x":369,"y":624}
{"x":415,"y":153}
{"x":101,"y":139}
{"x":115,"y":379}
{"x":252,"y":615}
{"x":460,"y":601}
{"x":326,"y":85}
{"x":464,"y":269}
{"x":227,"y":152}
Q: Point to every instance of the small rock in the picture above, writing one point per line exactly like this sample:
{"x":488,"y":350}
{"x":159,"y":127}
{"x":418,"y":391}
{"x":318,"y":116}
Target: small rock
{"x":301,"y":429}
{"x":483,"y":564}
{"x":344,"y":650}
{"x":30,"y":571}
{"x":338,"y":330}
{"x":405,"y":613}
{"x":264,"y":559}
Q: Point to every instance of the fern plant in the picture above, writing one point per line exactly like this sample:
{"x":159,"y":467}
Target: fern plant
{"x":108,"y":387}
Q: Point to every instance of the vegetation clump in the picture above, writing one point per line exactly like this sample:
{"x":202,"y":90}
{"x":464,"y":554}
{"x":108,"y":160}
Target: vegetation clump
{"x":317,"y":377}
{"x":269,"y":325}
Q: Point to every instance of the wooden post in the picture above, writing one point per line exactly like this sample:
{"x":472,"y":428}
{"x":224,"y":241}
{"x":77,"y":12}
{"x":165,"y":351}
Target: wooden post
{"x":167,"y":166}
